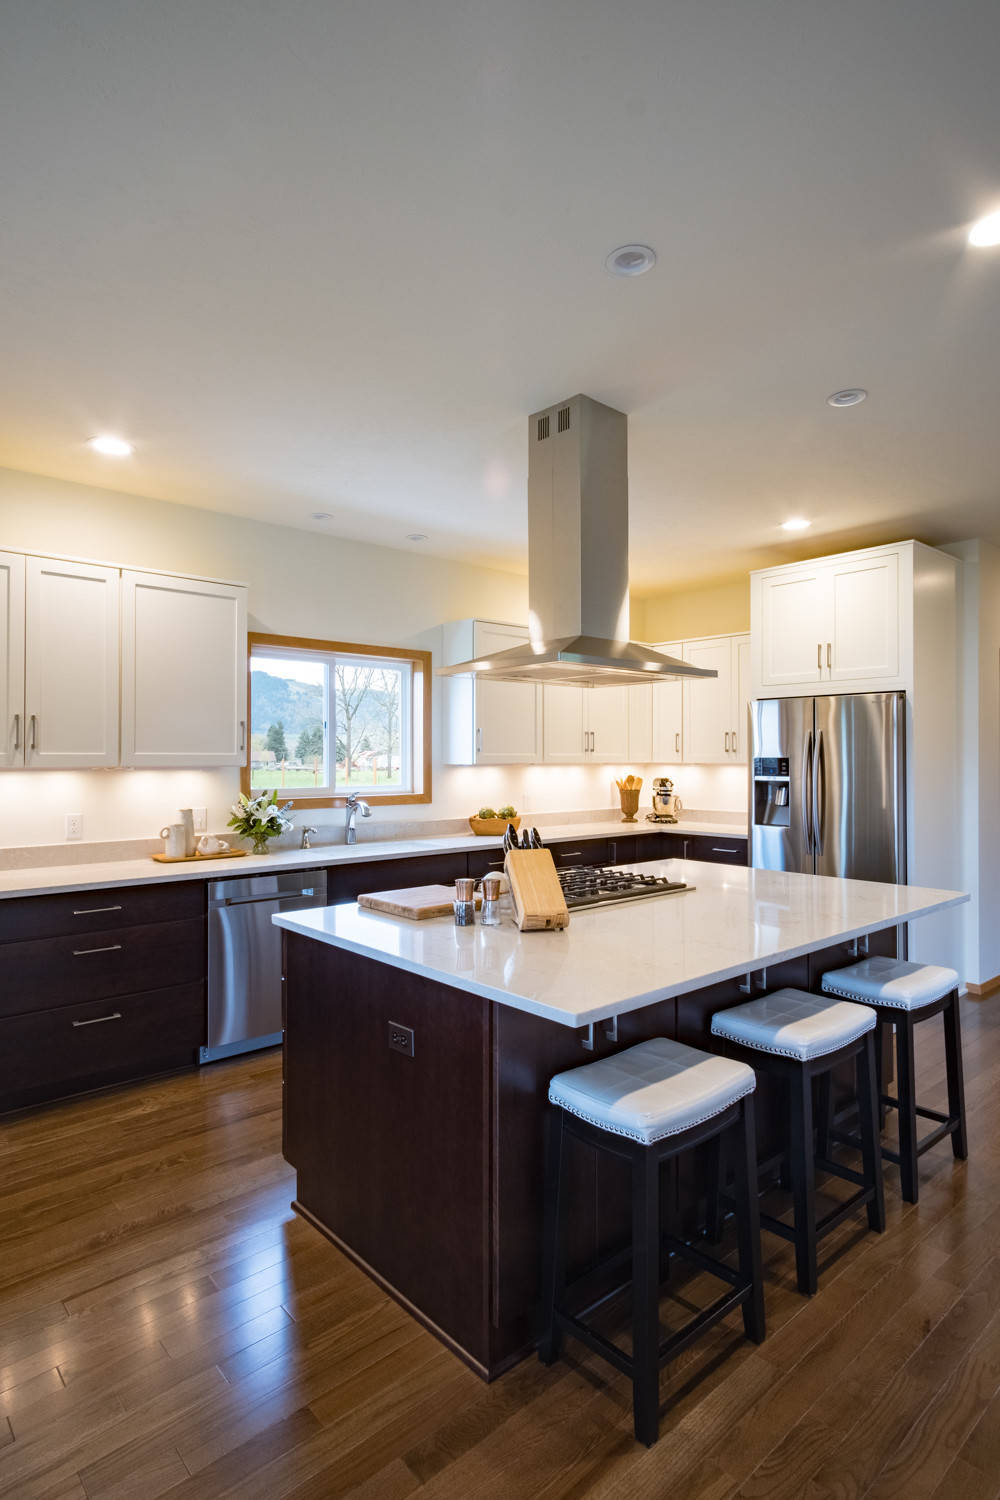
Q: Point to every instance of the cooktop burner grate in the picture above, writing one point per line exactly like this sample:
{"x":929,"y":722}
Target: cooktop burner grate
{"x":597,"y":885}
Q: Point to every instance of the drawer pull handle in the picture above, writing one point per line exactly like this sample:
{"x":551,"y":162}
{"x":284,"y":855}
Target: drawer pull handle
{"x":90,"y":911}
{"x":572,"y":854}
{"x":110,"y":948}
{"x":115,"y":1016}
{"x":717,"y":849}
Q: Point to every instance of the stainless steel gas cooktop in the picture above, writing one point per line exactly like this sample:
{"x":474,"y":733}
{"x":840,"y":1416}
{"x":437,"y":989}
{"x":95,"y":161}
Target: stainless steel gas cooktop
{"x":597,"y":885}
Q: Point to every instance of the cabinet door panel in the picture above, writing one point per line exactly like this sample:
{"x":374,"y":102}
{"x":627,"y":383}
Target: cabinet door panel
{"x":740,"y":742}
{"x":563,"y":724}
{"x":668,"y":713}
{"x":708,"y":703}
{"x":863,"y":636}
{"x":11,"y":659}
{"x":71,"y":665}
{"x":184,"y":672}
{"x":640,"y":723}
{"x":794,"y":612}
{"x":607,"y":716}
{"x":506,"y":713}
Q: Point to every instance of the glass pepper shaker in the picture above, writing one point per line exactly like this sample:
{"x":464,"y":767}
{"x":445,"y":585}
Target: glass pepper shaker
{"x":490,"y":914}
{"x":465,"y":902}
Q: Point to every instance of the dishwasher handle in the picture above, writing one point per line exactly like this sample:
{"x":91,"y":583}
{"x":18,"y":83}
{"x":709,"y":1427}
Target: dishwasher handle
{"x":276,"y":898}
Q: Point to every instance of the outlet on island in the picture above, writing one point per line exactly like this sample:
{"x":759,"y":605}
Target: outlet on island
{"x":401,"y":1038}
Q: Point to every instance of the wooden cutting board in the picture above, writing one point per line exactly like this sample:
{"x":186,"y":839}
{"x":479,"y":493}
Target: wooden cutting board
{"x":534,"y":887}
{"x":417,"y":902}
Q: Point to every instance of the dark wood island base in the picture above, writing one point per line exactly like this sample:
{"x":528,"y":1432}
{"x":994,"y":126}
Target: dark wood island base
{"x":427,"y":1169}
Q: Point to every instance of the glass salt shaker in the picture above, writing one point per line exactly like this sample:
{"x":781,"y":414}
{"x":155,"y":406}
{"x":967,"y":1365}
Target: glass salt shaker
{"x":490,"y":914}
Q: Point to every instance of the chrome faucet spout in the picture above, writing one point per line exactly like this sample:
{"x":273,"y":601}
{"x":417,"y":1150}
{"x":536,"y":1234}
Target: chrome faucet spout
{"x":354,"y":806}
{"x":305,"y":844}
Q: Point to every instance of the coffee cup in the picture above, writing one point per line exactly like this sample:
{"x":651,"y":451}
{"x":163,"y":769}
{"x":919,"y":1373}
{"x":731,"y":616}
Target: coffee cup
{"x":174,"y":841}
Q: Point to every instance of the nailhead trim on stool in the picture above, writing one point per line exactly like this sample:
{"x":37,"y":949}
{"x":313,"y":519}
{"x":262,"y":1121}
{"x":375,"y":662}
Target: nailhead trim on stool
{"x":891,"y":981}
{"x":792,"y":1023}
{"x":647,"y":1105}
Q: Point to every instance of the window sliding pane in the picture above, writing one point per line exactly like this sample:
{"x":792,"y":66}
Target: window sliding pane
{"x":289,"y":742}
{"x":371,"y":706}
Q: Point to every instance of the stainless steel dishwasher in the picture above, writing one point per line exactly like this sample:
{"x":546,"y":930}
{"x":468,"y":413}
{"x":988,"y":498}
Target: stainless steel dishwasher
{"x":244,"y":957}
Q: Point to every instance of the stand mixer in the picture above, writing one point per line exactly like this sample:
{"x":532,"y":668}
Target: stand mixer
{"x":666,"y":805}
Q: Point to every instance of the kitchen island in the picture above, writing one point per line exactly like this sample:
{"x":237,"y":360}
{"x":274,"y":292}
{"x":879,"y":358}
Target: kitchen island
{"x":425,"y":1164}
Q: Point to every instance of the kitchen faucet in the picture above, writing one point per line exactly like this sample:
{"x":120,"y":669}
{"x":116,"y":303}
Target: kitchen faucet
{"x":306,"y":831}
{"x":354,"y":806}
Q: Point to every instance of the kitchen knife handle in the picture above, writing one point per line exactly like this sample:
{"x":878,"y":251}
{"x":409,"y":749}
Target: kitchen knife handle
{"x":819,"y":794}
{"x":807,"y":756}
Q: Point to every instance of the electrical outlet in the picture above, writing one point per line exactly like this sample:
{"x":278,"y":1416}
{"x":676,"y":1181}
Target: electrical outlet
{"x":401,"y":1038}
{"x":74,"y":825}
{"x":200,"y":819}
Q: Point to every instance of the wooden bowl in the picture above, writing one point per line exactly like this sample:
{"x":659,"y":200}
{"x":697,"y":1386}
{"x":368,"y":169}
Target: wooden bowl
{"x":492,"y":827}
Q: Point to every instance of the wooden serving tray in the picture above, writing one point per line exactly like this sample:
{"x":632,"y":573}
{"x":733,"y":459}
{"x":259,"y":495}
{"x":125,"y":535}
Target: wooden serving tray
{"x":186,"y":859}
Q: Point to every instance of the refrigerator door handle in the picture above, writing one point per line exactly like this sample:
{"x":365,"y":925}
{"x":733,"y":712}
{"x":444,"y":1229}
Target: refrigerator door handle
{"x":819,"y":794}
{"x":807,"y":755}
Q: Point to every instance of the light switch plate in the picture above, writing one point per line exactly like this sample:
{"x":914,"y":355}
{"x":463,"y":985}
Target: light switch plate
{"x":200,"y":815}
{"x":74,"y":825}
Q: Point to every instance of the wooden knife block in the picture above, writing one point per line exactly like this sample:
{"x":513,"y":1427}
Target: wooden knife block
{"x":535,"y":890}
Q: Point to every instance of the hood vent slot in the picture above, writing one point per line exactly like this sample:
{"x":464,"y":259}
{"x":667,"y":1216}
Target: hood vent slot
{"x":562,"y":423}
{"x":543,"y":427}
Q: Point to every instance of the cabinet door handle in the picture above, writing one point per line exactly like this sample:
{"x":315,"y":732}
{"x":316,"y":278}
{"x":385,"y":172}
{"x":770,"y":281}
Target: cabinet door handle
{"x":243,"y":734}
{"x":109,"y":948}
{"x":686,"y":842}
{"x":591,"y":742}
{"x":33,"y":731}
{"x":736,"y":747}
{"x":819,"y":656}
{"x":17,"y":731}
{"x":677,"y":743}
{"x":115,"y":1016}
{"x":479,"y":740}
{"x":829,"y":656}
{"x":585,"y":745}
{"x":727,"y":741}
{"x":90,"y":911}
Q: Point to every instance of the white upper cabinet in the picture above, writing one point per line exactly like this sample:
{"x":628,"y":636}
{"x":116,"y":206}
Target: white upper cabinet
{"x":668,"y":713}
{"x":640,"y":723}
{"x":71,"y":665}
{"x":864,"y":624}
{"x":488,"y":723}
{"x":792,"y":626}
{"x":11,"y":659}
{"x":606,"y":710}
{"x":833,"y":625}
{"x":184,"y":672}
{"x":565,"y":733}
{"x":740,"y":742}
{"x":708,"y":703}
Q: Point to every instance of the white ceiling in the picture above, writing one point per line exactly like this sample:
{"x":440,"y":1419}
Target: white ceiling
{"x":325,"y":255}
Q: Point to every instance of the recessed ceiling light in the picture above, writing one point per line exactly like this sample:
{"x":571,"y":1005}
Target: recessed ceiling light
{"x":986,"y":232}
{"x":417,"y":536}
{"x":111,"y":446}
{"x":849,"y":397}
{"x":631,"y":260}
{"x":795,"y":523}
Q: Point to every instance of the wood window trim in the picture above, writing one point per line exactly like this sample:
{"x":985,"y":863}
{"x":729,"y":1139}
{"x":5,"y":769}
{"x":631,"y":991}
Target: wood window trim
{"x":421,"y":662}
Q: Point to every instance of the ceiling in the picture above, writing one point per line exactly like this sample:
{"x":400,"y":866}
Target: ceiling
{"x":317,"y":256}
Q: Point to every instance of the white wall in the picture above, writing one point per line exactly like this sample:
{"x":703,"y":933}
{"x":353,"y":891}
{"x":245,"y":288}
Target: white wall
{"x":300,"y":583}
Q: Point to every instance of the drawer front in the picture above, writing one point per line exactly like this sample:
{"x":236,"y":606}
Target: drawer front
{"x":482,"y":861}
{"x":74,"y":912}
{"x":718,"y":851}
{"x":580,"y":852}
{"x":52,"y":1053}
{"x":60,"y":971}
{"x":348,"y":882}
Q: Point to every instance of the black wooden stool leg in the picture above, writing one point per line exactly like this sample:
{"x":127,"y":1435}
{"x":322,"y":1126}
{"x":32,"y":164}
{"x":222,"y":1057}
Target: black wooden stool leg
{"x":715,"y":1179}
{"x":748,"y":1221}
{"x":871,"y":1145}
{"x":803,"y":1173}
{"x":553,"y":1261}
{"x":906,"y":1093}
{"x":646,"y":1296}
{"x":956,"y":1076}
{"x":824,"y":1114}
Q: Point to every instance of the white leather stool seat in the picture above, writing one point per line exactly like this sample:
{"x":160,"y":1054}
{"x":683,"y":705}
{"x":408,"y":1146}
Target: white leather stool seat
{"x":652,"y":1090}
{"x":792,"y":1023}
{"x":892,"y":981}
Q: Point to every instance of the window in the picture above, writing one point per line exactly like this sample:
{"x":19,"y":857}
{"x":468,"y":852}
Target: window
{"x":327,"y":719}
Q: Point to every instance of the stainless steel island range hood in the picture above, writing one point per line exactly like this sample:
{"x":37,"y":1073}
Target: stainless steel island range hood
{"x":578,"y":559}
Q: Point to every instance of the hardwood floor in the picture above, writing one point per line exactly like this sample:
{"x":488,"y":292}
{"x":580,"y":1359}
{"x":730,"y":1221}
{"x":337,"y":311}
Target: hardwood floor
{"x":169,"y":1328}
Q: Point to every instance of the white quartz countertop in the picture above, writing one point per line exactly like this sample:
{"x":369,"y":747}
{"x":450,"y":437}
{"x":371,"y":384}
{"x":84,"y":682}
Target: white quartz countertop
{"x":614,"y":959}
{"x":50,"y":879}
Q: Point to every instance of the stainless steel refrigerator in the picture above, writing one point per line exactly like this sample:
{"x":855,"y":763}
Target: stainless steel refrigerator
{"x":828,"y":785}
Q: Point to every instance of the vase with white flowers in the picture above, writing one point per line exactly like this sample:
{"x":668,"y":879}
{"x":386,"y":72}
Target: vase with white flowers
{"x":259,"y":818}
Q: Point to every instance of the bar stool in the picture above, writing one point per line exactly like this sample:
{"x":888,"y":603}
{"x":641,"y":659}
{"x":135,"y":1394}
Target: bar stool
{"x":796,"y":1037}
{"x":648,"y":1104}
{"x":903,"y":994}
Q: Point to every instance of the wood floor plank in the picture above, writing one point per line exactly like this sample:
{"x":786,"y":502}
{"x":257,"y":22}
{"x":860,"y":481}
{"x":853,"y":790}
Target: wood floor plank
{"x":168,"y":1327}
